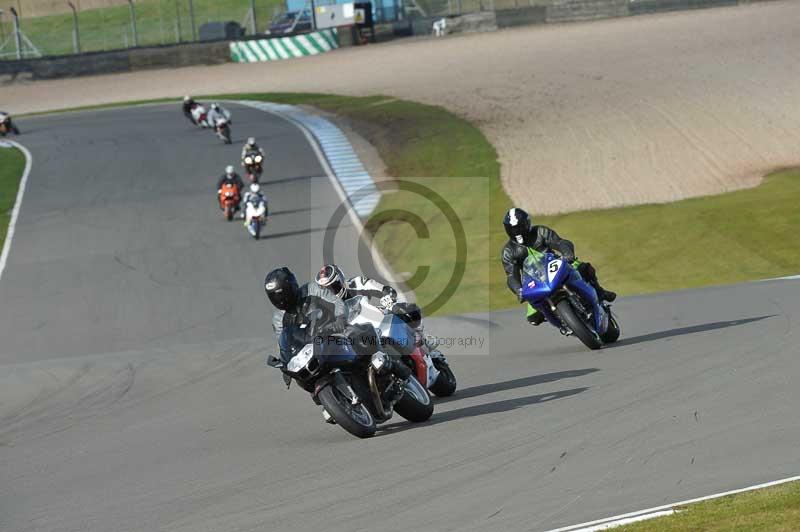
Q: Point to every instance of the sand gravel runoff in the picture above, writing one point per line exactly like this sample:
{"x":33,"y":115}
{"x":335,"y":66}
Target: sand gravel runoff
{"x":599,"y":114}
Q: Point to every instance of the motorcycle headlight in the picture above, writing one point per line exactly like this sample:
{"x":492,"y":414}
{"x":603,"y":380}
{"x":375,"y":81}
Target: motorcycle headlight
{"x":258,"y":158}
{"x":248,"y":160}
{"x":301,"y":359}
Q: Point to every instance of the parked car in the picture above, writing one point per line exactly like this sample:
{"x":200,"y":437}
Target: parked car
{"x":290,"y":22}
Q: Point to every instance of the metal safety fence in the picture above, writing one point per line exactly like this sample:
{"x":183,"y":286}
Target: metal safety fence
{"x":59,"y":27}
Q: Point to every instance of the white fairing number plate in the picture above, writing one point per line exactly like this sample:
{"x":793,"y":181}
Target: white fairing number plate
{"x":552,"y":268}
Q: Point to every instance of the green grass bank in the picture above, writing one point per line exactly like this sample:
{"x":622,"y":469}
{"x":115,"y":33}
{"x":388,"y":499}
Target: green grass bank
{"x":157,"y":22}
{"x":12,"y":164}
{"x":775,"y":509}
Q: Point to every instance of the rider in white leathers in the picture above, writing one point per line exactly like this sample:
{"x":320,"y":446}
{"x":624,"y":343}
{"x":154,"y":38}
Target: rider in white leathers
{"x":255,"y":204}
{"x":332,"y":278}
{"x":215,"y":113}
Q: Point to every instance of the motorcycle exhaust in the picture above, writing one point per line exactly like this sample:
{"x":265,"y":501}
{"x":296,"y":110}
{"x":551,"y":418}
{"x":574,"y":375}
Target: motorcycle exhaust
{"x":376,"y":394}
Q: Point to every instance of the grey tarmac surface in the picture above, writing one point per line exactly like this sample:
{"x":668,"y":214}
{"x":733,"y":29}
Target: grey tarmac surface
{"x":133,"y":397}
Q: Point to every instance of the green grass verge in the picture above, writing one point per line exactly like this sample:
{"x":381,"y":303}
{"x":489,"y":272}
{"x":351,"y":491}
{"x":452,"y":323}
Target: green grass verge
{"x":12,"y":164}
{"x":157,"y":22}
{"x":721,"y":239}
{"x":775,"y":509}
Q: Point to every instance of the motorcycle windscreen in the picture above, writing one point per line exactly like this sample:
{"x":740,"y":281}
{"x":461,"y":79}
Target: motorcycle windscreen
{"x":398,"y":336}
{"x":535,"y":283}
{"x":335,"y":351}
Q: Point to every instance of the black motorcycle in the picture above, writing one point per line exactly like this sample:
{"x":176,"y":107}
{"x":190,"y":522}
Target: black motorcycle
{"x":356,"y":382}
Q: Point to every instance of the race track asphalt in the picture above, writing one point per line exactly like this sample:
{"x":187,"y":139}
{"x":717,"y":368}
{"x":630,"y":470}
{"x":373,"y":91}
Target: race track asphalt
{"x":133,"y":395}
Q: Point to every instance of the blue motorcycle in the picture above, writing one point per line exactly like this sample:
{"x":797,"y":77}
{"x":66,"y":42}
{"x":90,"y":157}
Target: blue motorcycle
{"x":555,"y":289}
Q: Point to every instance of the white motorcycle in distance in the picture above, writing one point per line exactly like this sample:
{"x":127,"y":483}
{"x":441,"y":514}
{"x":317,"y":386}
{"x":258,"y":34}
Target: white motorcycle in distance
{"x":435,"y":374}
{"x":200,"y":115}
{"x":223,"y":130}
{"x":255,"y":218}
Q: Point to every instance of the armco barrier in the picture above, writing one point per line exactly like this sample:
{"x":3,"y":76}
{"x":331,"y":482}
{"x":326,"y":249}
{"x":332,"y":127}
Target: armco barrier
{"x":641,"y":7}
{"x":577,"y":10}
{"x":118,"y":61}
{"x":521,"y":16}
{"x":278,"y":48}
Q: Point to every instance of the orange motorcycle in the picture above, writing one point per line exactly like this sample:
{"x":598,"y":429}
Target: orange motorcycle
{"x":229,"y":199}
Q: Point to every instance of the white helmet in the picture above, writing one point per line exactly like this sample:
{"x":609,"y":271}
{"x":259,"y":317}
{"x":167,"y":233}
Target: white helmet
{"x":251,"y":141}
{"x":229,"y":170}
{"x":254,"y":188}
{"x":187,"y":98}
{"x":215,"y":107}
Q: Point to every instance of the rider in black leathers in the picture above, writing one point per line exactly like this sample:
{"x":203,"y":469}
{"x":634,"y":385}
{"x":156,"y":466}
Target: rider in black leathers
{"x":188,"y":103}
{"x":522,"y":236}
{"x":294,"y":303}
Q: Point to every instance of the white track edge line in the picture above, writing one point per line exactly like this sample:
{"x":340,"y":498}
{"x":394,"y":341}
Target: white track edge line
{"x":380,"y":263}
{"x":17,"y":204}
{"x":591,"y":525}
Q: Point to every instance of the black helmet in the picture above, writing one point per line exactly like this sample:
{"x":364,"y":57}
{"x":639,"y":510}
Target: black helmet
{"x":331,"y":277}
{"x":518,"y":225}
{"x":281,"y":288}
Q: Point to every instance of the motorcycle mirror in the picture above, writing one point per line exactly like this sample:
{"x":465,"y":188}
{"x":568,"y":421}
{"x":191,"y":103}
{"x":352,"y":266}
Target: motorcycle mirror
{"x":274,"y":362}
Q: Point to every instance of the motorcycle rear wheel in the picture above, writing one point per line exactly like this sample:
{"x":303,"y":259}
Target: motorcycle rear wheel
{"x":357,"y":420}
{"x":415,"y":405}
{"x":574,"y":322}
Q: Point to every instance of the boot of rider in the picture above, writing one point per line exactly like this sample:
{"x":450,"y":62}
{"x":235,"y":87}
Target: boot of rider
{"x":602,"y":293}
{"x":589,"y":275}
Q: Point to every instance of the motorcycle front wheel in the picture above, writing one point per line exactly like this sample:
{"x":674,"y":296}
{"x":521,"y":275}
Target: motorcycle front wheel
{"x":612,"y":333}
{"x":446,"y":383}
{"x":355,"y":419}
{"x":579,"y":328}
{"x":415,"y":405}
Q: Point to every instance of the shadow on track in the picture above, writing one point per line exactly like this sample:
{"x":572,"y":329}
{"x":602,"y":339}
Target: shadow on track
{"x":483,"y":389}
{"x":687,"y":330}
{"x":266,"y":182}
{"x":308,"y":231}
{"x":484,"y":409}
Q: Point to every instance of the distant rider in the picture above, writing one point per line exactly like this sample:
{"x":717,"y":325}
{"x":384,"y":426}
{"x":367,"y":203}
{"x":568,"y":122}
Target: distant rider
{"x":255,"y":204}
{"x":8,"y":125}
{"x":250,"y":147}
{"x":216,"y":113}
{"x":229,"y":177}
{"x":332,"y":278}
{"x":522,"y":237}
{"x":188,"y":104}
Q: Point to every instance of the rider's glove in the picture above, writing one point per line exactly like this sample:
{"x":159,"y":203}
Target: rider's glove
{"x":568,"y":257}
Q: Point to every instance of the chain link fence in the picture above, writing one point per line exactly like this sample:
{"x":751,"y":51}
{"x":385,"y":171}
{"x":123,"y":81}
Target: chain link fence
{"x":51,"y":27}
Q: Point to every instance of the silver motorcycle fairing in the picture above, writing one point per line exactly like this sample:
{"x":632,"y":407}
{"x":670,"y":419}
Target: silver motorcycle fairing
{"x":363,"y":312}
